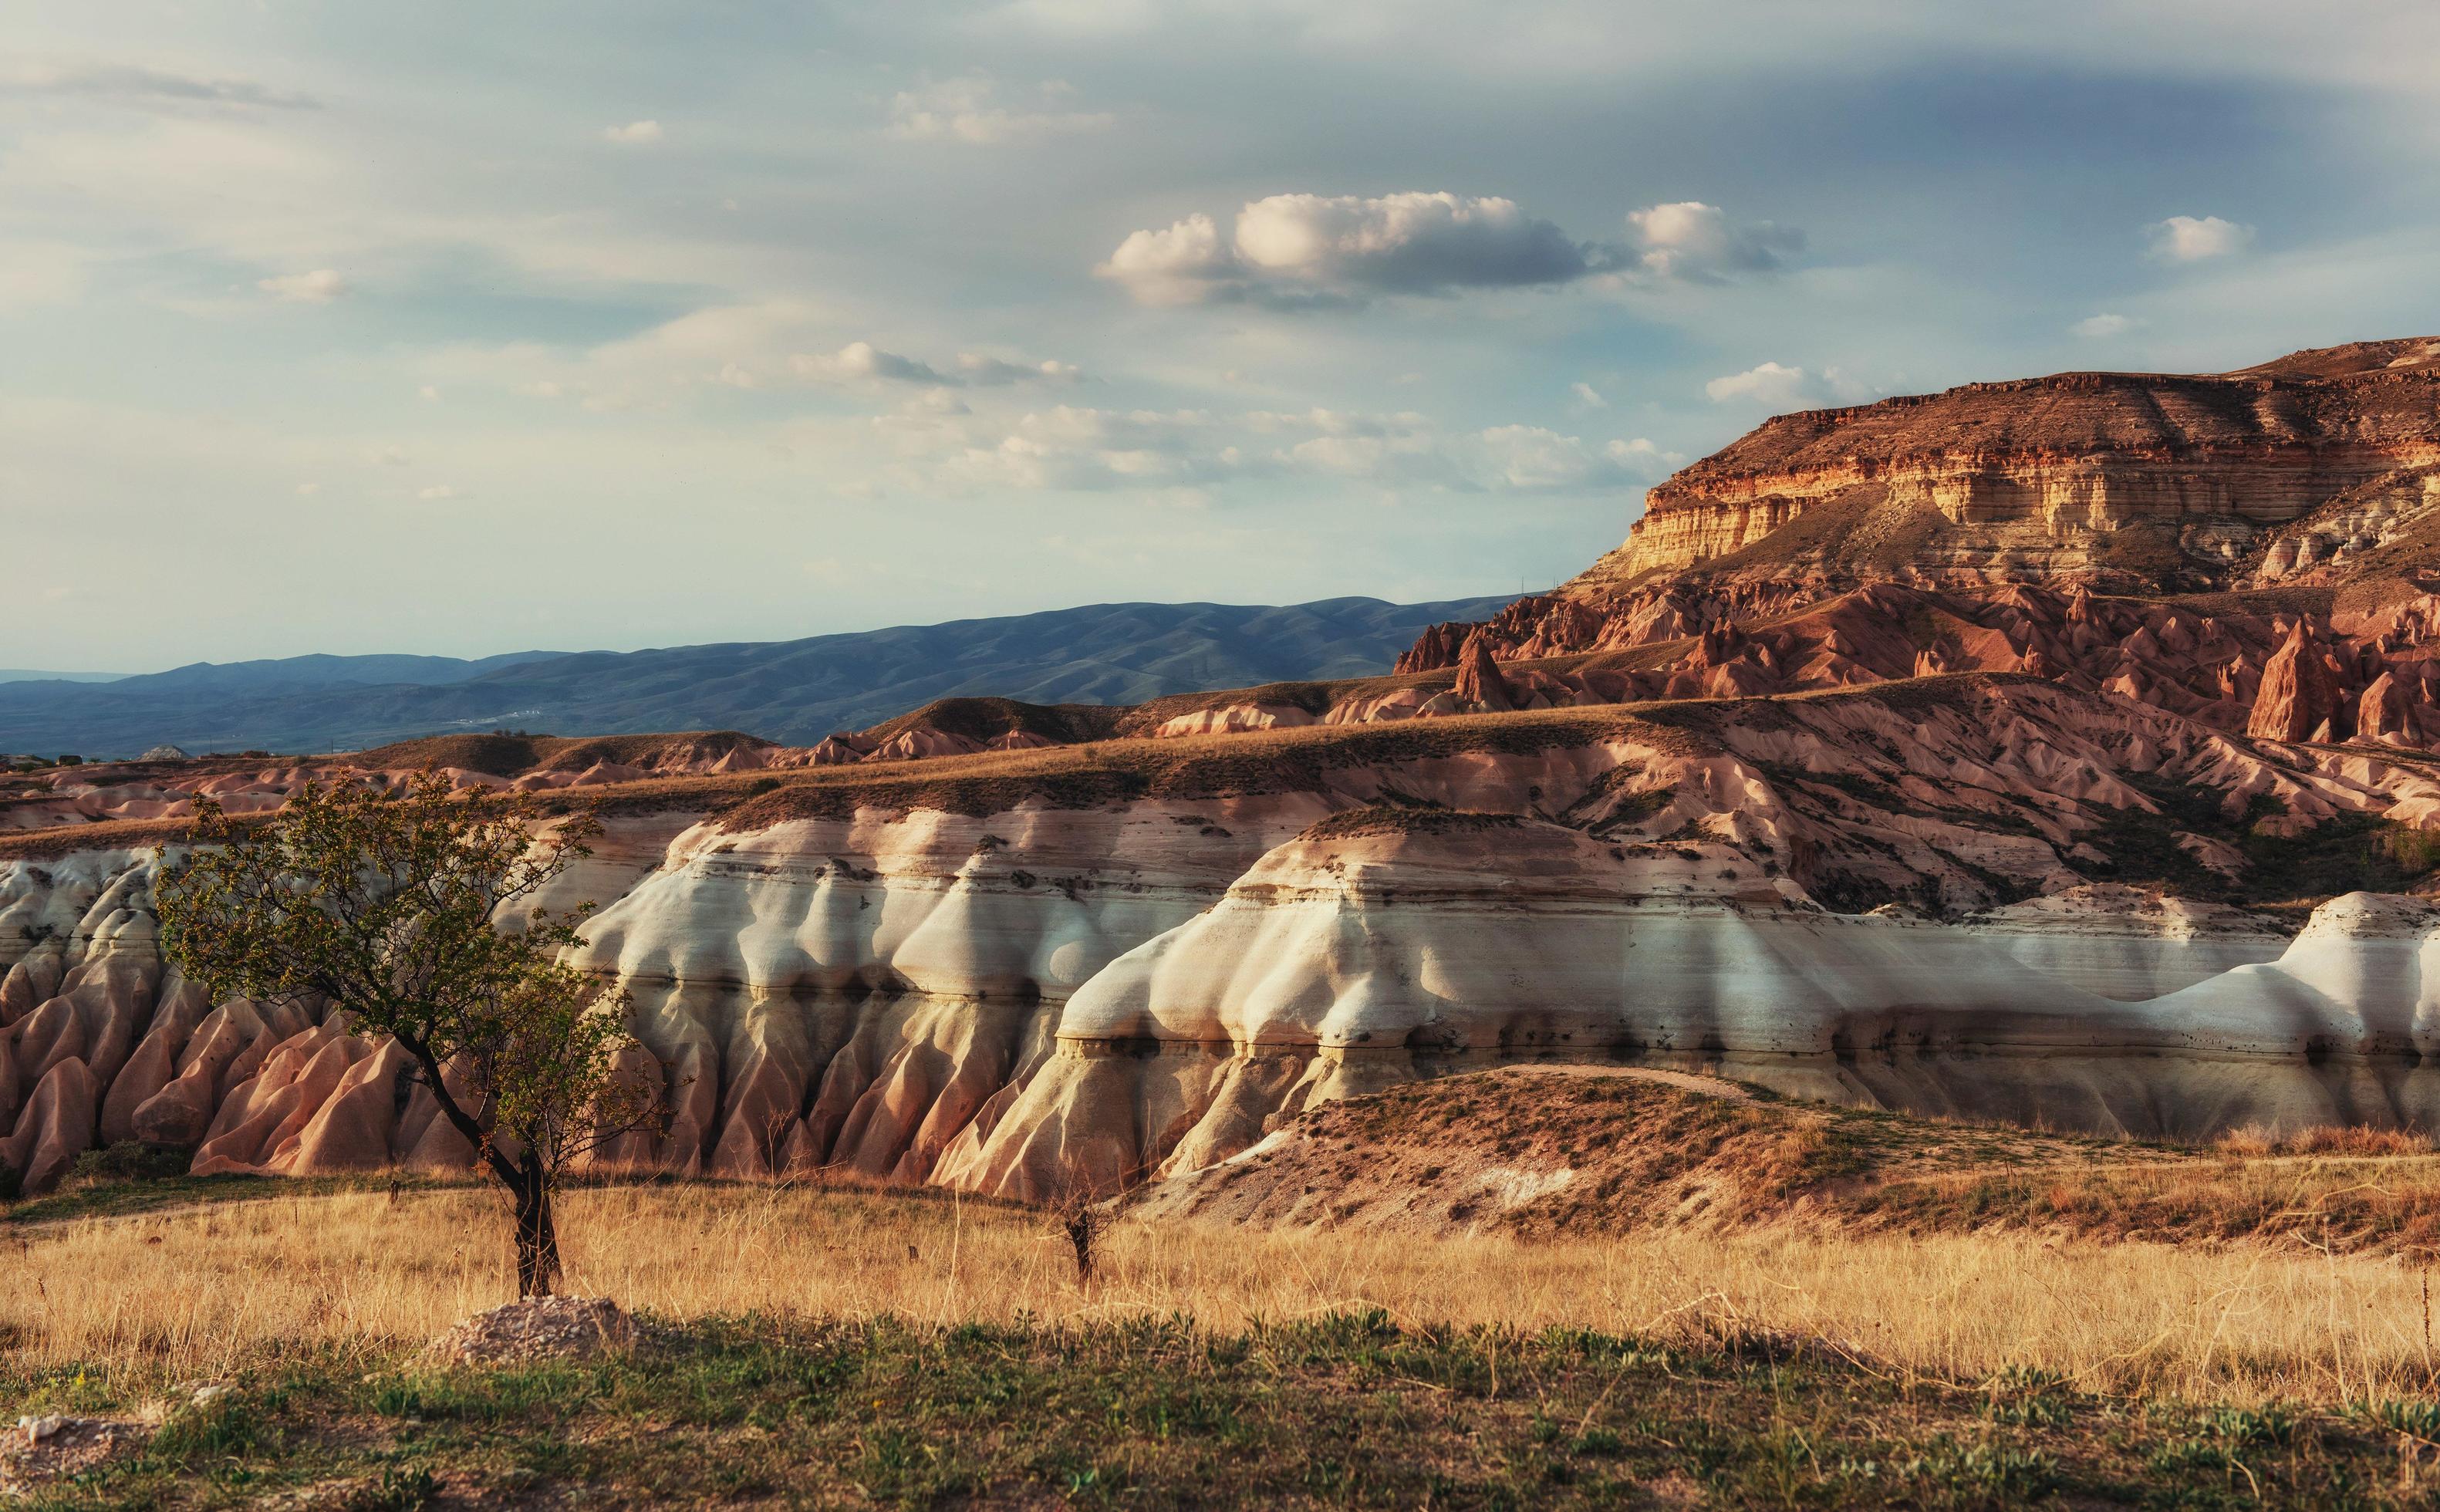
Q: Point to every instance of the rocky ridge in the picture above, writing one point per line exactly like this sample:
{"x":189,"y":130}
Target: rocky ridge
{"x":1847,"y":810}
{"x":1081,"y":971}
{"x":2048,"y":477}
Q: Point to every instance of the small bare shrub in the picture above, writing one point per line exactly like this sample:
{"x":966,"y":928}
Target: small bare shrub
{"x":1083,"y":1222}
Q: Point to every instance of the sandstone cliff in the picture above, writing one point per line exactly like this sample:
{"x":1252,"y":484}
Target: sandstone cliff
{"x":2207,"y":537}
{"x":2125,"y":478}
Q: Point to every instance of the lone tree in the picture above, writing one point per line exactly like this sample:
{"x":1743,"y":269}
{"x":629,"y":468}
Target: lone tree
{"x":391,"y":905}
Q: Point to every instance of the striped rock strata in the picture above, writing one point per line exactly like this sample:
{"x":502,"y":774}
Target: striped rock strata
{"x":1051,"y":995}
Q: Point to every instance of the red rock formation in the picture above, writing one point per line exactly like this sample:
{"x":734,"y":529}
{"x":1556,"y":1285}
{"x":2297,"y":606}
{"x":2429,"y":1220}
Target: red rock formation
{"x":2385,"y":712}
{"x":2298,"y":693}
{"x":1478,"y":680}
{"x":920,"y":741}
{"x":2112,"y":489}
{"x":1437,"y":647}
{"x":2075,"y":456}
{"x":56,"y":1126}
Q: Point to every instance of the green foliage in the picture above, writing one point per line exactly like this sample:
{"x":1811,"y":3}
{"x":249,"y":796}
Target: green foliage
{"x":400,"y":1488}
{"x":1341,"y":1410}
{"x":411,"y":909}
{"x":231,"y":1427}
{"x":402,"y":907}
{"x":130,"y":1160}
{"x":2346,"y":854}
{"x":2248,"y":1427}
{"x":2415,"y":1419}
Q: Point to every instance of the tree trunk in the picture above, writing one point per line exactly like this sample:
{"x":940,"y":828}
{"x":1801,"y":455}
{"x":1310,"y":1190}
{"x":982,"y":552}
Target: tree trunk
{"x":537,"y":1240}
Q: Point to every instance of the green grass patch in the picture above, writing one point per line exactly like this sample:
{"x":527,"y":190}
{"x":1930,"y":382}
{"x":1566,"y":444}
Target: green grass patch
{"x":1344,"y":1410}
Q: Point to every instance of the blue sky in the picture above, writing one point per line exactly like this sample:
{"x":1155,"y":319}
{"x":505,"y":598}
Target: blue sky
{"x":462,"y":329}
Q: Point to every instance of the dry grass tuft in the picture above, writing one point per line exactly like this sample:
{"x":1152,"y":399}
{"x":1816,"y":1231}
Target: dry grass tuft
{"x":2370,"y":1143}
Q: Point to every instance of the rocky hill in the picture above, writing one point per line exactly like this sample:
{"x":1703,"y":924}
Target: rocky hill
{"x":1867,"y":809}
{"x":2195,"y":528}
{"x":2125,"y":480}
{"x":1027,"y":969}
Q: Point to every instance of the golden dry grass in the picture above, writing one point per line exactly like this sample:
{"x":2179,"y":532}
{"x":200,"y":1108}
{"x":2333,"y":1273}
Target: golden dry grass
{"x":185,"y":1292}
{"x":2324,"y":1140}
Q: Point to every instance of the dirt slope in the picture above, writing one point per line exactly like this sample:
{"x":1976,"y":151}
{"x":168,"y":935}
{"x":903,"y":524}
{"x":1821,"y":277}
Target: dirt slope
{"x":1566,"y":1150}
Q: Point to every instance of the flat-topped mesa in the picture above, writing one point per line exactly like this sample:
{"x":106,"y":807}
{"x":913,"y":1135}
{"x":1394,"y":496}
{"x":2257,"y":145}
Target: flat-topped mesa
{"x":2031,"y":479}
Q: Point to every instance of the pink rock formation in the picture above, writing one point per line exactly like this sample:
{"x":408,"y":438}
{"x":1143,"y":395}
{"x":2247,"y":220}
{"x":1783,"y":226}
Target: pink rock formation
{"x":2387,"y":711}
{"x":56,"y":1125}
{"x":1478,"y":681}
{"x":2298,"y":693}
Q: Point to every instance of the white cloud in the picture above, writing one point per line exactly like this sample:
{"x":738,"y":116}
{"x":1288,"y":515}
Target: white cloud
{"x":429,"y":392}
{"x":635,"y":133}
{"x":1310,"y":249}
{"x":988,"y":371}
{"x":1641,"y":457}
{"x":935,"y":402}
{"x":391,"y":457}
{"x":704,"y":345}
{"x":308,"y":490}
{"x":1773,"y":384}
{"x":321,"y":286}
{"x":1587,"y":397}
{"x":1077,"y":448}
{"x":966,"y":110}
{"x":1531,"y":456}
{"x":130,"y":84}
{"x":863,"y":360}
{"x":2103,"y":326}
{"x":1180,"y":265}
{"x":439,"y":490}
{"x":2184,"y":239}
{"x":771,"y":344}
{"x":1298,"y":250}
{"x":1697,"y":242}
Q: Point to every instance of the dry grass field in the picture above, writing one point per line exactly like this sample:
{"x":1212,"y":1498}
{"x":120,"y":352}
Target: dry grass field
{"x":849,"y":1346}
{"x":194,"y":1291}
{"x":1737,"y":1301}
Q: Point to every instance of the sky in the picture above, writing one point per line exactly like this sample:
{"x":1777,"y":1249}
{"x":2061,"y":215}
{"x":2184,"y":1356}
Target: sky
{"x":460,"y":329}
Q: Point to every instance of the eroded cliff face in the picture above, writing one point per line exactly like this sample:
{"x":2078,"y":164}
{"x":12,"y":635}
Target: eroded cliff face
{"x":1071,"y":991}
{"x":1882,"y":765}
{"x":2045,"y":478}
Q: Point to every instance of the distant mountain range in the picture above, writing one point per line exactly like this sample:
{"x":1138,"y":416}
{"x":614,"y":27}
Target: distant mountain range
{"x":796,"y":691}
{"x":33,"y":674}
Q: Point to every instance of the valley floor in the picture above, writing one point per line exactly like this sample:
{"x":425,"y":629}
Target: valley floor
{"x":1860,"y":1311}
